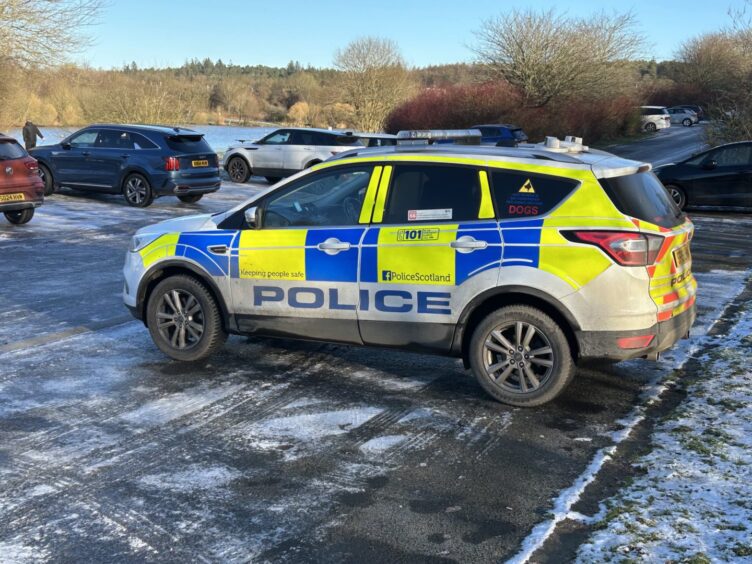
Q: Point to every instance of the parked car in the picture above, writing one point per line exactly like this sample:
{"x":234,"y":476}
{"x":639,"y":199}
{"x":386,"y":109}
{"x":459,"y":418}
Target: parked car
{"x":721,"y":176}
{"x":501,"y":134}
{"x":141,"y":162}
{"x":696,"y":109}
{"x":401,"y":247}
{"x":292,"y":149}
{"x":684,"y":116}
{"x":653,"y":118}
{"x":21,"y":188}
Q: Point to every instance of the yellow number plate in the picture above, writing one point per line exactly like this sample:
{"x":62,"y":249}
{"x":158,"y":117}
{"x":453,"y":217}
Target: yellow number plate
{"x":11,"y":198}
{"x":681,"y":255}
{"x":200,"y":163}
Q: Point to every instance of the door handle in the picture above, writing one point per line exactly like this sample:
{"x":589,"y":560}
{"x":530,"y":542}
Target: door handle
{"x":86,"y":153}
{"x":125,"y":156}
{"x":218,"y":249}
{"x":468,"y":244}
{"x":332,"y":246}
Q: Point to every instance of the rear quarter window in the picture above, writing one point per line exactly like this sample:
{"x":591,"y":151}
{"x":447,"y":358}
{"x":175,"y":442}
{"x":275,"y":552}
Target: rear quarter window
{"x":188,"y":144}
{"x":642,"y":196}
{"x":518,"y":194}
{"x":11,"y":150}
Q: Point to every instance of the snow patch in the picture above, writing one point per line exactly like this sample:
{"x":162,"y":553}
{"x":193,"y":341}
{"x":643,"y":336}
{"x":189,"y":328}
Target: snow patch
{"x":378,"y":445}
{"x":194,"y":478}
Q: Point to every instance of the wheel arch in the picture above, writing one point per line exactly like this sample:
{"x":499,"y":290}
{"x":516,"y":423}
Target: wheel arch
{"x":242,"y":156}
{"x":134,"y":169}
{"x":496,"y":298}
{"x":168,"y":268}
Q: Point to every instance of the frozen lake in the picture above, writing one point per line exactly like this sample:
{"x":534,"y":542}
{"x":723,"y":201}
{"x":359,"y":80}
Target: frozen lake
{"x":220,"y":137}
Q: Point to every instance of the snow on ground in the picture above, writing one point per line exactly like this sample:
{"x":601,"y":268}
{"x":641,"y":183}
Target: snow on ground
{"x":694,"y":502}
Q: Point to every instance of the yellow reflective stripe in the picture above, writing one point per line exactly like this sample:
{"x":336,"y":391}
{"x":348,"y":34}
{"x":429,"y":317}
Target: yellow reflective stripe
{"x":373,"y":187}
{"x":160,"y":248}
{"x":272,"y":254}
{"x":378,"y":210}
{"x":486,"y":210}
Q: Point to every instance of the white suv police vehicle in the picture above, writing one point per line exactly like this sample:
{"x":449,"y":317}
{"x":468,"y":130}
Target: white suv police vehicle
{"x":519,"y":260}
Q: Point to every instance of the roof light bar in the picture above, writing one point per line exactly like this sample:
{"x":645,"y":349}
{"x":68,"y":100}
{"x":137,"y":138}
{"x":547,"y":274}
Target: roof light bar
{"x":430,"y":136}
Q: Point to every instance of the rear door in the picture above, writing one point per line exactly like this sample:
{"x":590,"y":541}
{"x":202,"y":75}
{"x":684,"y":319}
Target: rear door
{"x":297,"y":273}
{"x":112,"y":150}
{"x":197,"y":158}
{"x":433,"y":245}
{"x":14,"y":174}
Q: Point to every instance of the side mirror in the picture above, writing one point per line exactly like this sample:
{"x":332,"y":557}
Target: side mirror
{"x":252,"y":217}
{"x":65,"y":145}
{"x":709,"y":165}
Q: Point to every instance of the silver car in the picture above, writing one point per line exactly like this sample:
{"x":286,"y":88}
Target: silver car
{"x":684,"y":116}
{"x":289,"y":150}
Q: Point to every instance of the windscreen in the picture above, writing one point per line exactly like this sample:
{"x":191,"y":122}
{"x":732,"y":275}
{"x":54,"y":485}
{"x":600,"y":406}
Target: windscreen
{"x":11,"y":150}
{"x":189,"y":144}
{"x":642,"y":196}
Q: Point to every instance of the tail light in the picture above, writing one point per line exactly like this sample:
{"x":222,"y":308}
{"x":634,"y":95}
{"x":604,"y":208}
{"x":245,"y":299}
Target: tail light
{"x":626,"y":248}
{"x":172,"y":164}
{"x":32,"y":166}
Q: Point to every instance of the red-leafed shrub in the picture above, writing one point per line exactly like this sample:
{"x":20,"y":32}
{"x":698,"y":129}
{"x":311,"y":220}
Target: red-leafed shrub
{"x":459,"y":107}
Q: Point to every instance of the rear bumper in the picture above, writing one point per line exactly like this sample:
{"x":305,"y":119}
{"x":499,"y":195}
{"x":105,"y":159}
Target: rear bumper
{"x":604,"y":344}
{"x":201,"y":185}
{"x":18,"y":206}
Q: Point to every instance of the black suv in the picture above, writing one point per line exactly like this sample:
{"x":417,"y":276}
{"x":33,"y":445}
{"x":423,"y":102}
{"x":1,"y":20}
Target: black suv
{"x":139,"y":161}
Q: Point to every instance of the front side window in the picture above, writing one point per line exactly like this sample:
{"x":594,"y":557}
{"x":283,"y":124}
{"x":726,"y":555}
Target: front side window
{"x":738,"y":155}
{"x":277,"y":138}
{"x":331,"y":197}
{"x":520,"y":194}
{"x":84,"y":139}
{"x":431,"y":193}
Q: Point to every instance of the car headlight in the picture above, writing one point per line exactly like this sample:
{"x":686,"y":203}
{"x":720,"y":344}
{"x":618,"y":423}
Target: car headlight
{"x":138,"y":242}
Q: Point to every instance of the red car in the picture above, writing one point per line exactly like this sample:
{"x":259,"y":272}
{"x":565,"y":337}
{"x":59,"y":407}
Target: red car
{"x":21,"y":187}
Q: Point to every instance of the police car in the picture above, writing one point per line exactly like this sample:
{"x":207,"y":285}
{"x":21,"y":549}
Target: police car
{"x":518,"y":260}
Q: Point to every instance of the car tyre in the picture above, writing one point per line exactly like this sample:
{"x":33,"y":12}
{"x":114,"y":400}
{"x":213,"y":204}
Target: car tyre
{"x":137,"y":191}
{"x":650,"y":127}
{"x":190,"y":198}
{"x":516,"y":366}
{"x":20,"y":217}
{"x":273,"y":179}
{"x":686,"y":122}
{"x":184,"y":319}
{"x":238,"y":170}
{"x":49,"y":181}
{"x":678,"y":195}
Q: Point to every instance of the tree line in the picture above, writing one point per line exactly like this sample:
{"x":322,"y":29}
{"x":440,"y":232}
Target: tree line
{"x":550,"y":72}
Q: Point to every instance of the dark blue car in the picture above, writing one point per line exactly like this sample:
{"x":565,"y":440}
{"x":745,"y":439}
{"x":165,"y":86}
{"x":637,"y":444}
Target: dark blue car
{"x":141,"y":162}
{"x":501,"y":134}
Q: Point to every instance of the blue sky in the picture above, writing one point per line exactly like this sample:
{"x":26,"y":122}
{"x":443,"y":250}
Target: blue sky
{"x":273,"y":32}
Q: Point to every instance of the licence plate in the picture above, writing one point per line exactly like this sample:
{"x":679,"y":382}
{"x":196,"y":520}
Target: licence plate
{"x":199,"y":163}
{"x":11,"y":198}
{"x":682,"y":256}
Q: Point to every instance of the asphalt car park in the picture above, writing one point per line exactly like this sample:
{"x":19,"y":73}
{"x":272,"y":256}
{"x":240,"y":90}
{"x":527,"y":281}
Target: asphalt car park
{"x":280,"y":450}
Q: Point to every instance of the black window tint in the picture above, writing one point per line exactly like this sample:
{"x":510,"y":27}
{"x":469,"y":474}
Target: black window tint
{"x":188,"y":143}
{"x":737,"y":155}
{"x":328,"y":198}
{"x":432,"y":193}
{"x":141,"y":142}
{"x":642,"y":196}
{"x":281,"y":137}
{"x":518,"y":194}
{"x":112,"y":139}
{"x":11,"y":150}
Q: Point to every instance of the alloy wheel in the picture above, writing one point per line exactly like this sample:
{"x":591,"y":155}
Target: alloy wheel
{"x":180,"y":319}
{"x":518,"y":357}
{"x":135,"y":190}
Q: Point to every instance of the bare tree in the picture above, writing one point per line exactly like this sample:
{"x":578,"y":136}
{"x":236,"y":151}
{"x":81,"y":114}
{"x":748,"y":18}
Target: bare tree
{"x":551,"y":57}
{"x":37,"y":33}
{"x":374,"y":79}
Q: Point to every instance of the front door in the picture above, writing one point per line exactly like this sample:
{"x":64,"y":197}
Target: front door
{"x":727,"y":183}
{"x":268,"y":159}
{"x":433,"y":245}
{"x":296,"y":274}
{"x":70,"y":163}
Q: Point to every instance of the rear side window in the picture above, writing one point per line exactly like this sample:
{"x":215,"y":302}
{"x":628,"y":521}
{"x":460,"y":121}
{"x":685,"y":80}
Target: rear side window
{"x":11,"y":150}
{"x":421,"y":193}
{"x":518,"y":194}
{"x":642,"y":196}
{"x":141,"y":142}
{"x":188,"y":144}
